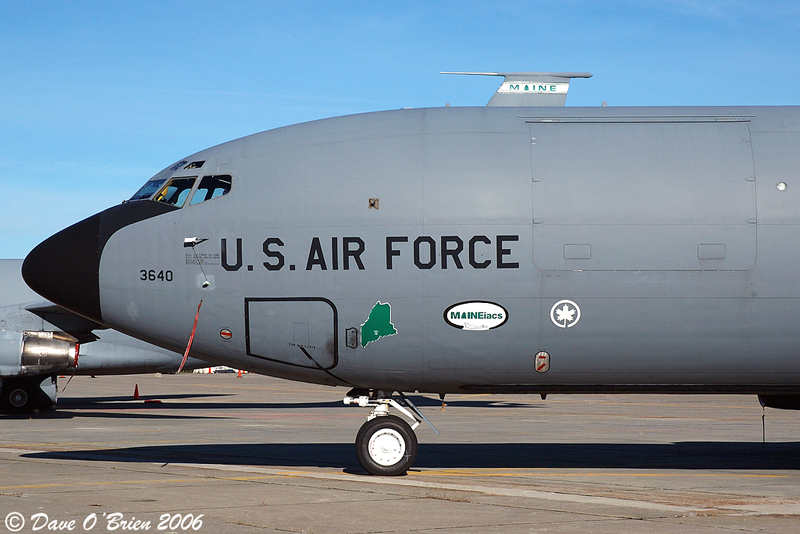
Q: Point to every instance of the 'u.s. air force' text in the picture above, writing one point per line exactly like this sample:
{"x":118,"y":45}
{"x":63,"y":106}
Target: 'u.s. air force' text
{"x":345,"y":253}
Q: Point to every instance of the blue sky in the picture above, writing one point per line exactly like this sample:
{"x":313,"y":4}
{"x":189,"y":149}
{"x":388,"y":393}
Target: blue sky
{"x":96,"y":97}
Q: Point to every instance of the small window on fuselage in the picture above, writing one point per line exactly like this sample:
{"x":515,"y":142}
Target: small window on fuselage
{"x":211,"y":187}
{"x":176,"y":191}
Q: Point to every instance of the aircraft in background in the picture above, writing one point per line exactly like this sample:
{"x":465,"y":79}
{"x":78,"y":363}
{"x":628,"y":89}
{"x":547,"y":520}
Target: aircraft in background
{"x":507,"y":248}
{"x":40,"y":340}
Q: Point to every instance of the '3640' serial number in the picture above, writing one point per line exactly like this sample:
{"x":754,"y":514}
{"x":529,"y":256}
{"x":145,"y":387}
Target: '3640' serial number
{"x":153,"y":276}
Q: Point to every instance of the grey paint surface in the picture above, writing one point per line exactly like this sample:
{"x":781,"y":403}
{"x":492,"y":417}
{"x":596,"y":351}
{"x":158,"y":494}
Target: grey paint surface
{"x":663,"y":225}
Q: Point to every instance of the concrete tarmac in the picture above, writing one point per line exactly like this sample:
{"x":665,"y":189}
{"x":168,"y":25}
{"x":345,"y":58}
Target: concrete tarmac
{"x":223,"y":454}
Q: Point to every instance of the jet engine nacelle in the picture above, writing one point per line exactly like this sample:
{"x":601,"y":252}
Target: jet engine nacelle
{"x":48,"y":352}
{"x":30,"y":353}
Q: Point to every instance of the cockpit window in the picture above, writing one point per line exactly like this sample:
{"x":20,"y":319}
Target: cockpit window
{"x":211,"y":187}
{"x":176,"y":191}
{"x":148,"y":189}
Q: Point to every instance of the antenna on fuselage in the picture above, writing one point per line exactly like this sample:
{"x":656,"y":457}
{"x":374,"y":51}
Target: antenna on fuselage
{"x":530,"y":88}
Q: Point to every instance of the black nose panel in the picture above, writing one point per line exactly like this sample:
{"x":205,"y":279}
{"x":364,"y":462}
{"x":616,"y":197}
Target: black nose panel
{"x":65,"y":268}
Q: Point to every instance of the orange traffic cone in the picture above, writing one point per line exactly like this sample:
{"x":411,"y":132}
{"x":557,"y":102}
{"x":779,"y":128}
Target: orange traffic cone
{"x":136,"y":392}
{"x":240,"y":374}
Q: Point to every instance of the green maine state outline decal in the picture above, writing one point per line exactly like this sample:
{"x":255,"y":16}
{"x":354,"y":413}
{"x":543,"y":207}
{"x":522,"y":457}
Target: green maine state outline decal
{"x":378,"y":324}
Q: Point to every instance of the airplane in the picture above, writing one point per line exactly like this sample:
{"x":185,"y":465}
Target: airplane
{"x":40,"y":340}
{"x":518,"y":247}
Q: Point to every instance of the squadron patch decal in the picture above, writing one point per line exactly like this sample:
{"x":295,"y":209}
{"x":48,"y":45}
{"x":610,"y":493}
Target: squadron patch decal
{"x":378,"y":324}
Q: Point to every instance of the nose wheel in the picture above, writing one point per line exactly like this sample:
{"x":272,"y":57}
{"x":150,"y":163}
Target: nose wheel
{"x":386,"y":446}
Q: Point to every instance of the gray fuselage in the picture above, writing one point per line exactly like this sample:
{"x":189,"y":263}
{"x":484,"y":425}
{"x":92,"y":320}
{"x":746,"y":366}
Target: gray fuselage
{"x":597,"y":249}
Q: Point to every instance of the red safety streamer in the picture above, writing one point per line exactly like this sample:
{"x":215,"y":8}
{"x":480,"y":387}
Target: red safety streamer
{"x":191,"y":337}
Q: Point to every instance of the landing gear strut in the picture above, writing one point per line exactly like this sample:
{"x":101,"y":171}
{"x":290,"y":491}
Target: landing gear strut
{"x":386,"y":445}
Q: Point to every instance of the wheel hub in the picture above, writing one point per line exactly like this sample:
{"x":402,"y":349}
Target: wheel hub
{"x":386,"y":447}
{"x":18,"y":398}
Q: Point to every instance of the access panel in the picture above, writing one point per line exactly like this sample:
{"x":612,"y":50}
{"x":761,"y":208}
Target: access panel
{"x":643,"y":194}
{"x":296,"y":331}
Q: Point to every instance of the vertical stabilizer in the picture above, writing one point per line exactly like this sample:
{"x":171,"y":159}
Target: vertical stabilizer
{"x":530,"y":88}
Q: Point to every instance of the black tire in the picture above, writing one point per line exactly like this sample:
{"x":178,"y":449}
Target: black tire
{"x":17,"y":396}
{"x":19,"y":399}
{"x":386,"y":446}
{"x":24,"y":395}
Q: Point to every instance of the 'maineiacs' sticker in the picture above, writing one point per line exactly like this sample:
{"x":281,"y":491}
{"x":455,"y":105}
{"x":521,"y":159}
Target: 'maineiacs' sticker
{"x":475,"y":315}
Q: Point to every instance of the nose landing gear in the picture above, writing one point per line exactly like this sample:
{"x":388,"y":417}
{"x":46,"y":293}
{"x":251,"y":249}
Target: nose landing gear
{"x":386,"y":444}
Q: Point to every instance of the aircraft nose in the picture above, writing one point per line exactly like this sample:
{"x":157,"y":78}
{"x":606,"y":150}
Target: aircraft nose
{"x":65,"y":268}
